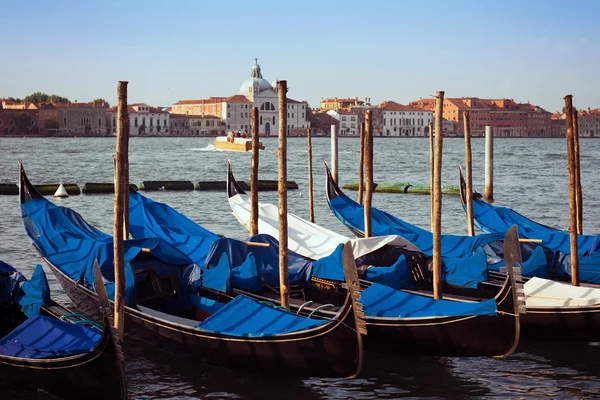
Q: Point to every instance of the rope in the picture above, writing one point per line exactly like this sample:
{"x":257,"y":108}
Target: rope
{"x":67,"y":316}
{"x":88,"y":322}
{"x":302,"y":306}
{"x":318,"y":308}
{"x":507,"y":313}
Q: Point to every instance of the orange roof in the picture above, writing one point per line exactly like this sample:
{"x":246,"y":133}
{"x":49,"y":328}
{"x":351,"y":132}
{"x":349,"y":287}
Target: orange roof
{"x":393,"y":106}
{"x":132,"y":110}
{"x":238,"y":98}
{"x":335,"y":99}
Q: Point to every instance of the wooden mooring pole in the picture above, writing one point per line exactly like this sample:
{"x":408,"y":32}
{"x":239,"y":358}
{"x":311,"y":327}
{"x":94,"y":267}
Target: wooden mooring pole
{"x":489,"y":164}
{"x":572,"y":191}
{"x":431,"y":172}
{"x":121,"y":192}
{"x":334,"y":154}
{"x":468,"y":175}
{"x":254,"y":173}
{"x":282,"y":189}
{"x":311,"y":211}
{"x":578,"y":191}
{"x":368,"y":172}
{"x":437,"y":199}
{"x":361,"y":163}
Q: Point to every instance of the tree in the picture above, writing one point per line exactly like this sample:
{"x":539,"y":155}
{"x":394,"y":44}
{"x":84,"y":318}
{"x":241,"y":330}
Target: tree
{"x":101,"y":102}
{"x":39,"y":97}
{"x":13,"y":99}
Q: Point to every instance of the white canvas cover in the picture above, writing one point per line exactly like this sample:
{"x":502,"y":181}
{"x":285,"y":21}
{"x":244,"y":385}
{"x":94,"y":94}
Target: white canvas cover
{"x":307,"y":238}
{"x":546,"y":293}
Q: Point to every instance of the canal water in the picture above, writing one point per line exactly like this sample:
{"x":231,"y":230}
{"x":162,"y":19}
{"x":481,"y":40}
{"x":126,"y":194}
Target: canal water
{"x":530,"y":176}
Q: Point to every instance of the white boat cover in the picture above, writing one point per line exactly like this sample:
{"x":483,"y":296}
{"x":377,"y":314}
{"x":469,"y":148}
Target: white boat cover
{"x":307,"y":238}
{"x":546,"y":293}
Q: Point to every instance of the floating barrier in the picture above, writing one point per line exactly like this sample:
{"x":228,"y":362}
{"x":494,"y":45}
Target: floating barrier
{"x":49,"y":190}
{"x":102,"y":188}
{"x":268,"y":185}
{"x":9,"y":189}
{"x":405,"y":187}
{"x":167,"y":185}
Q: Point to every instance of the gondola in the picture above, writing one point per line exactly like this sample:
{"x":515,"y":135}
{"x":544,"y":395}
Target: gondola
{"x":553,"y":311}
{"x":426,"y":326}
{"x":556,"y":245}
{"x":168,"y":308}
{"x":44,"y":347}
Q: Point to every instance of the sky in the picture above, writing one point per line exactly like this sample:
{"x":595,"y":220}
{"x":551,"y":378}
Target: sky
{"x":534,"y":51}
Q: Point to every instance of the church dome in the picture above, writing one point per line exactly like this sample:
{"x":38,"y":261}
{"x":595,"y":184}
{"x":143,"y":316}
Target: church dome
{"x":256,"y":82}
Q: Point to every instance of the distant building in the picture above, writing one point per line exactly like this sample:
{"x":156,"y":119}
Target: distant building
{"x":320,"y":122}
{"x":505,"y":116}
{"x":401,"y":120}
{"x":336,"y":104}
{"x":234,"y":111}
{"x":196,"y":125}
{"x":349,"y":122}
{"x":81,"y":118}
{"x":588,"y":122}
{"x":558,"y":126}
{"x":144,"y":120}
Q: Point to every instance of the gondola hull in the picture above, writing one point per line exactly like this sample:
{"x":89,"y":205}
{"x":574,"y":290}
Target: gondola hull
{"x":95,"y":375}
{"x":330,"y":350}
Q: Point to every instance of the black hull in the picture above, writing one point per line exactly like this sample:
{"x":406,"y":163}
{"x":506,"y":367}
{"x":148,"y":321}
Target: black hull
{"x":95,"y":375}
{"x":332,"y":350}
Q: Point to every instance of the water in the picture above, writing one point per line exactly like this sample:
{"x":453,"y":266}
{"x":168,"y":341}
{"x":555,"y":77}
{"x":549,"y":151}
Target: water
{"x":530,"y":176}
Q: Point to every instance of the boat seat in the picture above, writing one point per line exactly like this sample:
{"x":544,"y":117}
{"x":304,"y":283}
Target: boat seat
{"x":296,"y":292}
{"x":149,"y":286}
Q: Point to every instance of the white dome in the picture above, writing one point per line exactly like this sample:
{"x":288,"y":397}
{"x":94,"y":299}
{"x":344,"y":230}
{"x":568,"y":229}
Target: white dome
{"x":256,"y":82}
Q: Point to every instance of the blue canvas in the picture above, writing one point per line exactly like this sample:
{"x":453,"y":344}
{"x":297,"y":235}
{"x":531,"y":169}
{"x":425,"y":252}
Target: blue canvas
{"x":383,"y":301}
{"x":351,"y":214}
{"x":396,"y":276}
{"x":246,"y":317}
{"x":44,"y":337}
{"x":467,"y":271}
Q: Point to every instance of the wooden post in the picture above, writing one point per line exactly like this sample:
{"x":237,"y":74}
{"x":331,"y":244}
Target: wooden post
{"x":572,"y":191}
{"x":468,"y":175}
{"x":121,"y":188}
{"x":254,"y":173}
{"x":578,"y":191}
{"x":311,"y":211}
{"x":437,"y":199}
{"x":431,"y":172}
{"x":282,"y":188}
{"x":334,"y":154}
{"x":489,"y":164}
{"x":369,"y":171}
{"x":361,"y":163}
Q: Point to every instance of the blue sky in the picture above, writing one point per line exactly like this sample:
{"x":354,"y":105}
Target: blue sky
{"x":529,"y":50}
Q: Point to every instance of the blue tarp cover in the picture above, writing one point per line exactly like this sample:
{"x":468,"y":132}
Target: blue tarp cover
{"x":244,"y":316}
{"x":266,"y":259}
{"x":492,"y":219}
{"x":383,"y":301}
{"x":330,"y":267}
{"x":467,"y":271}
{"x":44,"y":337}
{"x":396,"y":275}
{"x":35,"y":293}
{"x":148,"y":218}
{"x":352,"y":215}
{"x":72,"y":245}
{"x":10,"y":283}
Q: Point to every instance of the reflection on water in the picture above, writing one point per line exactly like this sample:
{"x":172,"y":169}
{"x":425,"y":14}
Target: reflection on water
{"x":530,"y":176}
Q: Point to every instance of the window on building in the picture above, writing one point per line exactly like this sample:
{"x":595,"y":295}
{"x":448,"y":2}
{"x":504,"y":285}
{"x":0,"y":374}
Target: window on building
{"x":228,"y":115}
{"x":228,"y":127}
{"x":99,"y":122}
{"x":135,"y":122}
{"x":292,"y":115}
{"x":144,"y":121}
{"x":273,"y":120}
{"x":114,"y":121}
{"x":165,"y":122}
{"x":261,"y":120}
{"x":302,"y":115}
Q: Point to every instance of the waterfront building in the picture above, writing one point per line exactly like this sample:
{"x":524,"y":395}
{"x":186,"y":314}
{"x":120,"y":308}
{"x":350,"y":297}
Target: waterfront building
{"x":336,"y":104}
{"x":349,"y":124}
{"x":558,"y":126}
{"x":234,"y":111}
{"x":196,"y":125}
{"x":401,"y":120}
{"x":320,"y":122}
{"x":81,"y":118}
{"x":505,"y":116}
{"x":588,"y":122}
{"x":19,"y":121}
{"x":144,"y":120}
{"x":48,"y":118}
